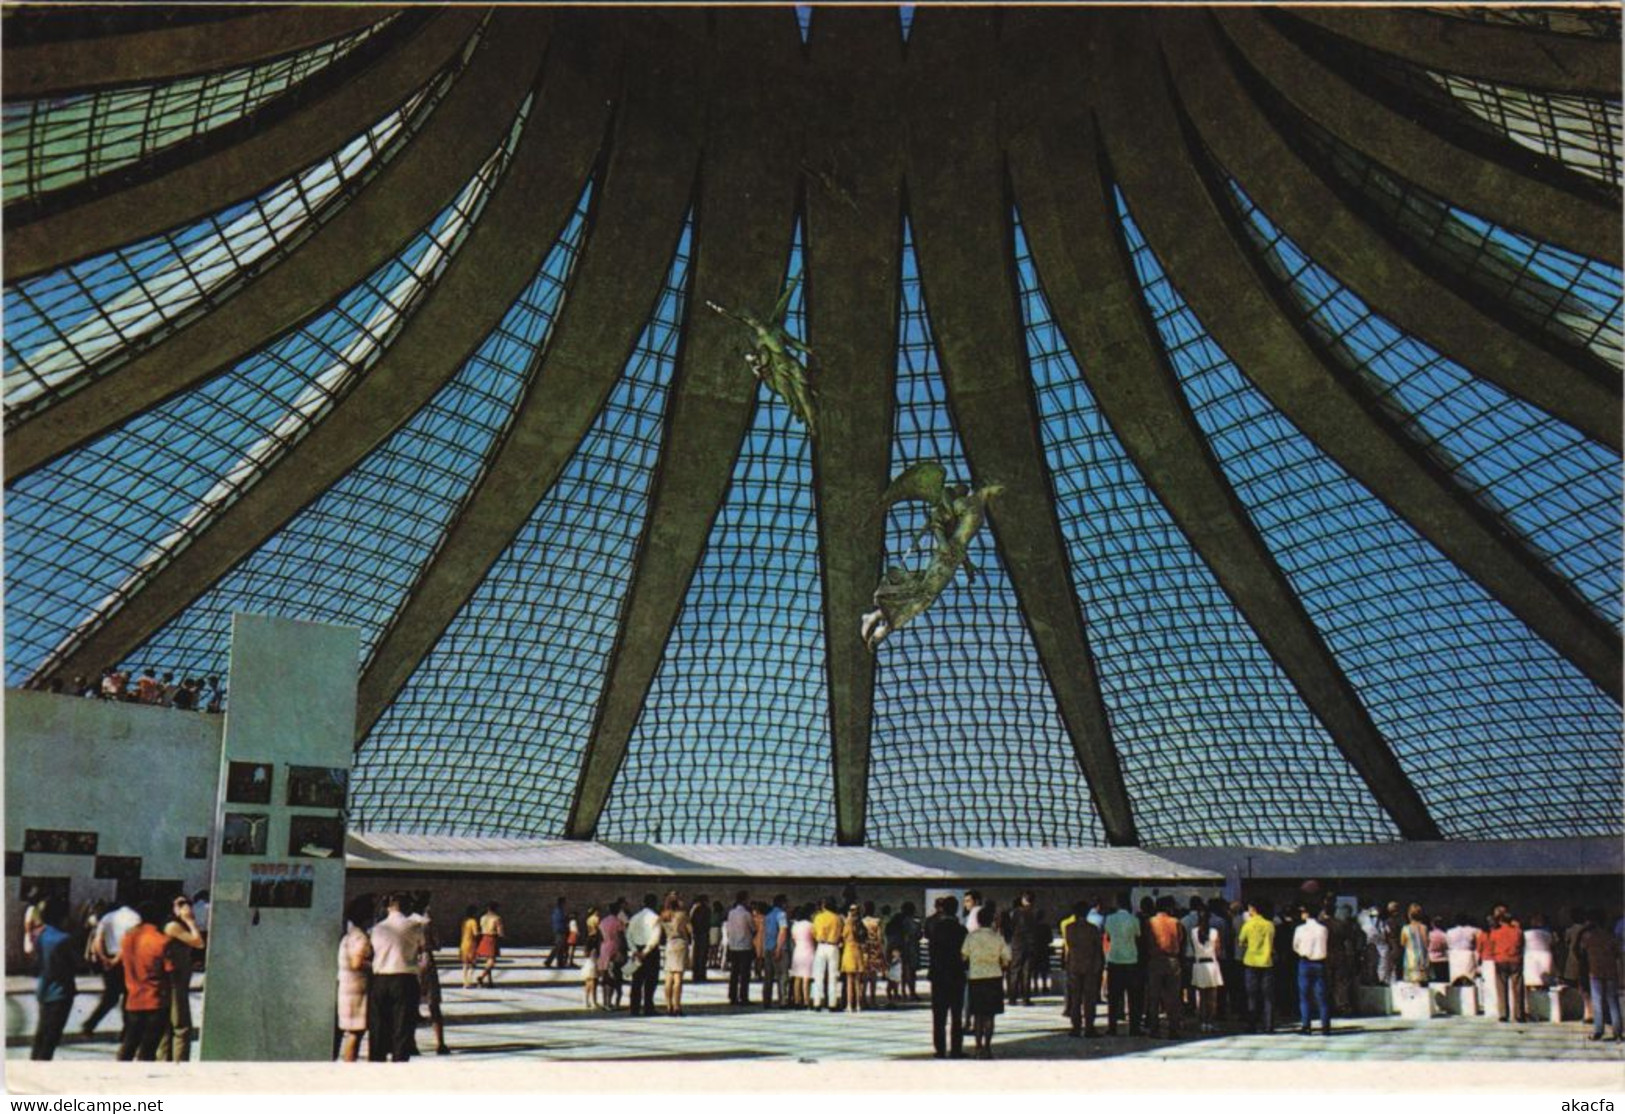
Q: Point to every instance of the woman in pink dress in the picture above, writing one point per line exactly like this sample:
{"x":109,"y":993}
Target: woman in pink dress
{"x":802,"y":947}
{"x":355,"y":971}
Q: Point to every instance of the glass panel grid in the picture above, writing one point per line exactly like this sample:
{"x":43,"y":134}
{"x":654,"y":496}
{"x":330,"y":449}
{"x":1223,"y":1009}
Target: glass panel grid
{"x":1559,"y":490}
{"x":1215,"y":742}
{"x":85,"y":532}
{"x":1566,"y":296}
{"x":82,"y":321}
{"x":486,"y":737}
{"x":1477,"y":708}
{"x":1581,"y":133}
{"x":353,"y":556}
{"x":733,"y":743}
{"x":55,"y":142}
{"x":968,"y":747}
{"x":1589,"y":22}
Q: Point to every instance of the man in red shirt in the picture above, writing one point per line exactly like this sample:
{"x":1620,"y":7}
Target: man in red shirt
{"x":1502,"y":948}
{"x":1166,"y":946}
{"x":146,"y":988}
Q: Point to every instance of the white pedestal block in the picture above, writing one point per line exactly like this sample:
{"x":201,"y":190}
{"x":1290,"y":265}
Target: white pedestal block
{"x":1413,"y":1002}
{"x":1462,"y":1001}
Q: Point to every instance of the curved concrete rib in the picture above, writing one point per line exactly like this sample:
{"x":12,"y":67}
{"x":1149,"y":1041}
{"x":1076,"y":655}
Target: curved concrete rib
{"x":648,"y":179}
{"x":220,"y":177}
{"x":388,"y":212}
{"x":523,"y":217}
{"x":854,"y":253}
{"x":741,"y":247}
{"x":961,"y":225}
{"x":163,"y":54}
{"x":1496,"y":191}
{"x":1207,"y":262}
{"x":1573,"y":386}
{"x":1495,"y":52}
{"x":1070,"y":220}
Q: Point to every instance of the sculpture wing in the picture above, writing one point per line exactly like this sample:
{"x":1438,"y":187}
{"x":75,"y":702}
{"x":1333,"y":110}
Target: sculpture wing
{"x":782,"y":309}
{"x":923,"y":481}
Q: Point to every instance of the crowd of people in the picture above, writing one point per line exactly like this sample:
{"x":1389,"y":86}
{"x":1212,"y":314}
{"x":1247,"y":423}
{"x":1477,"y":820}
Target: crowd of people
{"x":1160,"y":970}
{"x":189,"y":694}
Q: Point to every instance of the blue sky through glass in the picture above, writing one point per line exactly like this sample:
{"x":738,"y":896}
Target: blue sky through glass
{"x":733,"y":744}
{"x":1476,"y":707}
{"x":1215,"y":742}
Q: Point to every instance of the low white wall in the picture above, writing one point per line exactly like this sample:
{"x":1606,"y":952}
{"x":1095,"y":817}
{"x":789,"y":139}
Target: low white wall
{"x":142,"y":778}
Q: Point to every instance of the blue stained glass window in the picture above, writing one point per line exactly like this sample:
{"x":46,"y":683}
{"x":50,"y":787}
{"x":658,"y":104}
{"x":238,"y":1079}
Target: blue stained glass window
{"x":968,"y":747}
{"x":353,"y":556}
{"x":487,"y":735}
{"x":804,"y":16}
{"x":905,"y":14}
{"x":86,"y":531}
{"x":1477,"y":708}
{"x":733,"y":742}
{"x":1215,"y":742}
{"x":1560,"y":490}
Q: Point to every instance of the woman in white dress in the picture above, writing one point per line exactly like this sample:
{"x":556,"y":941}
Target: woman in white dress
{"x":1206,"y":976}
{"x":676,"y":931}
{"x":1462,"y":950}
{"x":801,"y":955}
{"x":1537,"y":956}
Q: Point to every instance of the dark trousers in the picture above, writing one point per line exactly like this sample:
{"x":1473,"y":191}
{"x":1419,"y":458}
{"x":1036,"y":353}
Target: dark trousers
{"x":392,"y":1017}
{"x":948,"y":1008}
{"x":143,"y":1029}
{"x":1162,"y":991}
{"x":1082,"y":999}
{"x":739,"y":963}
{"x":53,"y":1018}
{"x":1312,"y":989}
{"x":1125,"y":987}
{"x":701,"y":954}
{"x":112,"y":995}
{"x":1260,"y":998}
{"x":1509,"y":989}
{"x":561,"y":944}
{"x":644,"y":978}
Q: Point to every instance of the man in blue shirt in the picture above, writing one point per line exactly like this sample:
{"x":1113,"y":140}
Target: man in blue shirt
{"x":775,"y":951}
{"x":57,"y":966}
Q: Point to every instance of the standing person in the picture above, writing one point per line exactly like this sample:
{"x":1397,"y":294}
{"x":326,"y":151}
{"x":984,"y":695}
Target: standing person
{"x":1438,"y":950}
{"x":1256,"y":941}
{"x":718,"y":957}
{"x":561,"y":935}
{"x":945,"y":968}
{"x":971,"y":916}
{"x":468,"y":940}
{"x":392,"y":996}
{"x":33,"y":919}
{"x":1462,"y":952}
{"x":852,"y":959}
{"x":106,"y":944}
{"x":1413,"y":947}
{"x":1309,"y":943}
{"x":611,"y":953}
{"x":874,"y":956}
{"x":1124,"y":988}
{"x":146,"y":988}
{"x":678,"y":933}
{"x":1083,"y":957}
{"x":775,"y":946}
{"x":490,"y":944}
{"x":1601,"y":951}
{"x":987,"y":956}
{"x":908,"y":946}
{"x":1502,"y":946}
{"x":58,"y":965}
{"x":803,"y":948}
{"x":1207,"y":976}
{"x":429,"y":975}
{"x":1537,"y":955}
{"x":643,"y":942}
{"x":1166,"y":947}
{"x":826,"y":973}
{"x":1574,"y":972}
{"x":355,"y":973}
{"x":738,"y":932}
{"x":185,"y":941}
{"x":699,"y":918}
{"x":1021,"y":937}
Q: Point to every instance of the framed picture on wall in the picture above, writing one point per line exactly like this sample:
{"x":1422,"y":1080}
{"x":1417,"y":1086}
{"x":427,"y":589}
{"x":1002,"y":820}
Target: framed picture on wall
{"x":248,"y":783}
{"x":51,"y":841}
{"x":245,"y":833}
{"x":316,"y":837}
{"x":197,"y":847}
{"x":318,"y":786}
{"x":121,"y":868}
{"x":280,"y":885}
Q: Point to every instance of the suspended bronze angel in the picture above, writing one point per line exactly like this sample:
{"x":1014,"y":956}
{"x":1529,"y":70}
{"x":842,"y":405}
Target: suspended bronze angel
{"x":773,"y":362}
{"x":955,"y":513}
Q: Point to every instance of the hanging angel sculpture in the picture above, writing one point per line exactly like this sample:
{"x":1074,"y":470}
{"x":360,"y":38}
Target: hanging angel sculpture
{"x":773,"y":361}
{"x":955,"y":513}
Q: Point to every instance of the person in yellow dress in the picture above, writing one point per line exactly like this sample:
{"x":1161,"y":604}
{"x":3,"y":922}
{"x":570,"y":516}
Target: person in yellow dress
{"x":852,"y":957}
{"x":467,"y":942}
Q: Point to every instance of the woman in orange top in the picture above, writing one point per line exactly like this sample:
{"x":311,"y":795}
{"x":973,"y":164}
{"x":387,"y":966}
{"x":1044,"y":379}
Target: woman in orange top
{"x":146,"y":987}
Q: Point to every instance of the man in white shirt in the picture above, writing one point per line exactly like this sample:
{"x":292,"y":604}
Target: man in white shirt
{"x":1309,"y":943}
{"x":392,"y":995}
{"x":973,"y":911}
{"x":104,"y":949}
{"x":738,"y":937}
{"x":643,"y":942}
